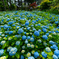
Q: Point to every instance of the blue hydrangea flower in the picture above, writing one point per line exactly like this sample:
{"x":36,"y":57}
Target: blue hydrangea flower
{"x":10,"y":23}
{"x":56,"y":22}
{"x":48,"y":49}
{"x":31,"y":39}
{"x":49,"y":31}
{"x":27,"y":23}
{"x":57,"y":31}
{"x":44,"y":54}
{"x":54,"y":47}
{"x":8,"y":49}
{"x":31,"y":57}
{"x":12,"y":51}
{"x":3,"y":42}
{"x":55,"y":57}
{"x":45,"y":37}
{"x":34,"y":29}
{"x":16,"y":11}
{"x":17,"y":42}
{"x":28,"y":28}
{"x":13,"y":25}
{"x":6,"y":35}
{"x":33,"y":36}
{"x":22,"y":57}
{"x":23,"y":37}
{"x":47,"y":34}
{"x":8,"y":19}
{"x":51,"y":42}
{"x":44,"y":30}
{"x":28,"y":37}
{"x":26,"y":41}
{"x":1,"y":52}
{"x":20,"y":31}
{"x":36,"y":54}
{"x":17,"y":27}
{"x":56,"y":52}
{"x":23,"y":47}
{"x":36,"y":33}
{"x":17,"y":36}
{"x":39,"y":30}
{"x":25,"y":33}
{"x":11,"y":32}
{"x":5,"y":26}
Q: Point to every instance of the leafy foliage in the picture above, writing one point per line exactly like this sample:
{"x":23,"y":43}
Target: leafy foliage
{"x":31,"y":1}
{"x":12,"y":7}
{"x":45,"y":5}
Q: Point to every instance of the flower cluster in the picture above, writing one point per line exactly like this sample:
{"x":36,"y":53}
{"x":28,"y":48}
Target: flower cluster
{"x":29,"y":35}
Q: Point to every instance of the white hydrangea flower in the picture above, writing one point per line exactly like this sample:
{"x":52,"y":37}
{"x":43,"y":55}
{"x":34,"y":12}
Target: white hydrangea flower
{"x":22,"y":51}
{"x":28,"y":54}
{"x":50,"y":35}
{"x":28,"y":45}
{"x":32,"y":46}
{"x":3,"y":57}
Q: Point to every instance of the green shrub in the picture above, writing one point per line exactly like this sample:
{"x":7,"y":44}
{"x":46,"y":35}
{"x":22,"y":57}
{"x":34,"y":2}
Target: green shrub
{"x":31,"y":1}
{"x":12,"y":7}
{"x":45,"y":5}
{"x":55,"y":9}
{"x":1,"y":6}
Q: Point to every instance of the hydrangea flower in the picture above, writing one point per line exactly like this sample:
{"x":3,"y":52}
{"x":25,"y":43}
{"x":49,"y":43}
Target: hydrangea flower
{"x":28,"y":28}
{"x":28,"y":45}
{"x":23,"y":47}
{"x":36,"y":54}
{"x":3,"y":57}
{"x":55,"y":57}
{"x":47,"y":34}
{"x":32,"y":39}
{"x":44,"y":54}
{"x":31,"y":57}
{"x":27,"y":23}
{"x":28,"y":37}
{"x":45,"y":37}
{"x":44,"y":30}
{"x":23,"y":37}
{"x":54,"y":47}
{"x":10,"y":23}
{"x":39,"y":41}
{"x":47,"y":49}
{"x":39,"y":30}
{"x":11,"y":32}
{"x":56,"y":52}
{"x":20,"y":31}
{"x":8,"y":49}
{"x":26,"y":41}
{"x":22,"y":51}
{"x":36,"y":33}
{"x":8,"y":19}
{"x":28,"y":54}
{"x":3,"y":42}
{"x":32,"y":46}
{"x":51,"y":42}
{"x":12,"y":51}
{"x":17,"y":42}
{"x":1,"y":51}
{"x":5,"y":26}
{"x":22,"y":57}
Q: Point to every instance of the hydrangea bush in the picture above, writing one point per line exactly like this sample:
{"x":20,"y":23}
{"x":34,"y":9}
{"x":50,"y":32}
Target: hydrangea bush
{"x":29,"y":35}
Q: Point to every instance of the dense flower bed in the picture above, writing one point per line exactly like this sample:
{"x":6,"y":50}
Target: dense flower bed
{"x":29,"y":35}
